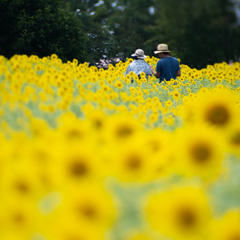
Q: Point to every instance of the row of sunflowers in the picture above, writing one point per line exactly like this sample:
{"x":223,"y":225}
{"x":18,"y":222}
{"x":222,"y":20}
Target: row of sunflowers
{"x":88,"y":155}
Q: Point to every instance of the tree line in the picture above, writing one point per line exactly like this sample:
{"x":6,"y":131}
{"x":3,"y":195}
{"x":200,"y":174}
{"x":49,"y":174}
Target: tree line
{"x":199,"y":32}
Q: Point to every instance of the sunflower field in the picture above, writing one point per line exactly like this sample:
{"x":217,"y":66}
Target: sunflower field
{"x":87,"y":155}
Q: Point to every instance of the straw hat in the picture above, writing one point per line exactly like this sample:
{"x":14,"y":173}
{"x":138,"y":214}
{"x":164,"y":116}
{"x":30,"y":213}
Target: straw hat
{"x":139,"y":53}
{"x":162,"y":48}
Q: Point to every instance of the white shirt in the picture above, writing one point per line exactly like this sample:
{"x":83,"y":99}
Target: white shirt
{"x":138,"y":66}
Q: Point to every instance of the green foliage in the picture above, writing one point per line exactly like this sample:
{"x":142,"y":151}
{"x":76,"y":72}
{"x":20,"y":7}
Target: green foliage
{"x":39,"y":27}
{"x":93,"y":18}
{"x":200,"y":32}
{"x":115,"y":28}
{"x":131,"y":23}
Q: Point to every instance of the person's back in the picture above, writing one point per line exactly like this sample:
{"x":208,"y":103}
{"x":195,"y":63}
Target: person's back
{"x":168,"y":67}
{"x":139,"y":65}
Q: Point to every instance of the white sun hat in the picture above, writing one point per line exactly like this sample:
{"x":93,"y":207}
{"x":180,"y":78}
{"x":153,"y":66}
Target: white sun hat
{"x":162,"y":48}
{"x":139,"y":53}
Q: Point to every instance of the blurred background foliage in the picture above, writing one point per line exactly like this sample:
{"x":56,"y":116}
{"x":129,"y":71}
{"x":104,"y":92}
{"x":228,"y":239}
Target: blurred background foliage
{"x":40,"y":27}
{"x":199,"y":32}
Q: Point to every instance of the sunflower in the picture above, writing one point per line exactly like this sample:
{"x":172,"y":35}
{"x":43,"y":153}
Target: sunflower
{"x":168,"y":103}
{"x":54,"y":57}
{"x":199,"y":151}
{"x":153,"y":118}
{"x":71,"y":129}
{"x":19,"y":218}
{"x":91,"y":207}
{"x":180,"y":213}
{"x":142,"y":74}
{"x":157,"y":143}
{"x":132,"y":163}
{"x":217,"y":108}
{"x":128,"y":78}
{"x":118,"y":84}
{"x":75,"y":165}
{"x":97,"y":120}
{"x":176,"y":95}
{"x":21,"y":179}
{"x":228,"y":226}
{"x":68,"y":230}
{"x":232,"y":138}
{"x":121,"y":127}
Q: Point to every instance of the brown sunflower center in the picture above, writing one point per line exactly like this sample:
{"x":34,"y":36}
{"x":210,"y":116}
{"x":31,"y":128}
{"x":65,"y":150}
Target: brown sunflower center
{"x":218,"y":115}
{"x":78,"y":168}
{"x":235,"y":138}
{"x":124,"y":131}
{"x":71,"y":237}
{"x":133,"y":162}
{"x":186,"y":218}
{"x":74,"y":134}
{"x":88,"y":211}
{"x":155,"y":146}
{"x":40,"y":156}
{"x":18,"y":218}
{"x":22,"y":187}
{"x":234,"y":236}
{"x":98,"y":124}
{"x":201,"y":153}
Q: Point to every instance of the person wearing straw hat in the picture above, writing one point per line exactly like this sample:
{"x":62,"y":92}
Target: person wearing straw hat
{"x":167,"y":67}
{"x":139,"y":64}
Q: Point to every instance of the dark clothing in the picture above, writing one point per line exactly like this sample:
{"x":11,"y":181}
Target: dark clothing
{"x":167,"y":66}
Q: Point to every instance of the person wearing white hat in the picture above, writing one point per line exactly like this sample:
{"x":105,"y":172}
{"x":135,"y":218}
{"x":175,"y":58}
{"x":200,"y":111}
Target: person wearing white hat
{"x":167,"y":67}
{"x":139,"y":64}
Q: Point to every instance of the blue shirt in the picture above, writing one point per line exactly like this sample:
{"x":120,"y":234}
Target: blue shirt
{"x":138,"y":66}
{"x":167,"y":66}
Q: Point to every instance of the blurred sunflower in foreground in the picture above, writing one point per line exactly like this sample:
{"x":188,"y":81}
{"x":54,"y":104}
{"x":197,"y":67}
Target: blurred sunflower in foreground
{"x":87,"y":153}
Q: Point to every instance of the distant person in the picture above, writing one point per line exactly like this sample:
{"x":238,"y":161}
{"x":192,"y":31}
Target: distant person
{"x":139,"y":65}
{"x":167,"y":67}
